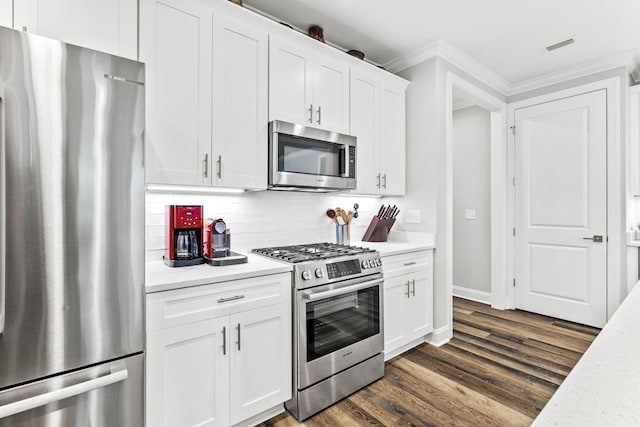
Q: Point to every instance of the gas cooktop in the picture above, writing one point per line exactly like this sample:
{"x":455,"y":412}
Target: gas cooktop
{"x":312,"y":252}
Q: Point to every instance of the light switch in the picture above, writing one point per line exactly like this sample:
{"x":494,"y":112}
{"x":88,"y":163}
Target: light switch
{"x":470,"y":214}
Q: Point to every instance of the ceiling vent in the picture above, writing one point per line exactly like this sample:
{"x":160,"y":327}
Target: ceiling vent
{"x":558,"y":45}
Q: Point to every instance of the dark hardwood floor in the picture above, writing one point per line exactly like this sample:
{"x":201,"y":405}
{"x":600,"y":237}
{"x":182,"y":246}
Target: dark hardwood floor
{"x":500,"y":369}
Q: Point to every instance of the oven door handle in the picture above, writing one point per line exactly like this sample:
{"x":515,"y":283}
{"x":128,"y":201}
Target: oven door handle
{"x":313,"y":296}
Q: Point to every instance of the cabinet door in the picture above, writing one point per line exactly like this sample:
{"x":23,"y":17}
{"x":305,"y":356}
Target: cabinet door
{"x":392,"y":138}
{"x":107,"y":25}
{"x":364,"y":125}
{"x":6,"y":13}
{"x":176,"y":44}
{"x":260,"y":360}
{"x":240,"y":53}
{"x":187,"y":379}
{"x":290,"y":83}
{"x":396,"y":295}
{"x":420,"y":305}
{"x":331,"y":95}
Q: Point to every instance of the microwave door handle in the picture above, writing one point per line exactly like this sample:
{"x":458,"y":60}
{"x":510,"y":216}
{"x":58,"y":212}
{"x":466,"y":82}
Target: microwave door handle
{"x":344,"y":162}
{"x":3,"y":214}
{"x":314,"y":296}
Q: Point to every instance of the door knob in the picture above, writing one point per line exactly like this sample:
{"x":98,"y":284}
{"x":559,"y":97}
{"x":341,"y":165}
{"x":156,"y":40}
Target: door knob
{"x":595,"y":238}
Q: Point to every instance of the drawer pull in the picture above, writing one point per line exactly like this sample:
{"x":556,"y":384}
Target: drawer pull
{"x":233,"y":298}
{"x":406,"y":264}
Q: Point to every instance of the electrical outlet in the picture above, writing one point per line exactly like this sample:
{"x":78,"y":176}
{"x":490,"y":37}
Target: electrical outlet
{"x":413,"y":216}
{"x":470,"y":214}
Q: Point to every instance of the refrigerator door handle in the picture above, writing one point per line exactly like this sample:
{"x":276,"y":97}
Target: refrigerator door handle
{"x":63,"y":393}
{"x":3,"y":204}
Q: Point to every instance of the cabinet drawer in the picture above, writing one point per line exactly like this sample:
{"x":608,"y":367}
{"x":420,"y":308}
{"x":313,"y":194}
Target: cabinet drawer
{"x":182,"y":306}
{"x":396,"y":265}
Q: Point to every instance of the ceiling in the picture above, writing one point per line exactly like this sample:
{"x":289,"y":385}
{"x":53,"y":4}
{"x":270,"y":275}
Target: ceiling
{"x":506,"y":36}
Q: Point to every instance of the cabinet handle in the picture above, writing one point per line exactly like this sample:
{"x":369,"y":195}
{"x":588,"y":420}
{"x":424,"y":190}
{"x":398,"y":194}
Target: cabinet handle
{"x":238,"y":337}
{"x":378,"y":178}
{"x":384,"y":181}
{"x":413,"y":291}
{"x":219,"y":166}
{"x":206,"y":165}
{"x":224,"y":340}
{"x":407,"y":293}
{"x":406,"y":264}
{"x":319,"y":115}
{"x":311,"y":113}
{"x":233,"y":298}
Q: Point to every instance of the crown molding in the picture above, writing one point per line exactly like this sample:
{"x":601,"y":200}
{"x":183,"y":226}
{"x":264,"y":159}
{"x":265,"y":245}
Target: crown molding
{"x":628,"y":60}
{"x":449,"y":52}
{"x":410,"y":59}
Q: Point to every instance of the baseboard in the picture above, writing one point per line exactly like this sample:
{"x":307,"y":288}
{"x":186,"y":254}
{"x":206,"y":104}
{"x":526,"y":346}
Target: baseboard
{"x":472,"y":294}
{"x":262,"y":416}
{"x":440,"y":336}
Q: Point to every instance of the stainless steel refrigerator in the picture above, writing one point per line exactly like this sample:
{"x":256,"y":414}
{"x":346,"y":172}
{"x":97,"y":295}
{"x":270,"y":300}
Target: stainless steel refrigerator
{"x":71,"y":235}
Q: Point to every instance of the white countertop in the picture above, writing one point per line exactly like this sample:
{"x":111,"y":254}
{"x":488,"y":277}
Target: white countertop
{"x":159,"y":277}
{"x":401,"y":242}
{"x":604,"y":387}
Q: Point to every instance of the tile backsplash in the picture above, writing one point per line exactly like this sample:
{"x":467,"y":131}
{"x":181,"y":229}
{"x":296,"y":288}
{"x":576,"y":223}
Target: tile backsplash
{"x":259,"y":219}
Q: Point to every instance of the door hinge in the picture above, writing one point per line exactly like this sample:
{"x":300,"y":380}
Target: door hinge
{"x":513,"y":129}
{"x":514,"y":282}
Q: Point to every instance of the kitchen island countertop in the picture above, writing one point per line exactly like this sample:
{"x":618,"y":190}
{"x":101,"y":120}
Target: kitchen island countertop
{"x":159,"y":277}
{"x":602,"y":389}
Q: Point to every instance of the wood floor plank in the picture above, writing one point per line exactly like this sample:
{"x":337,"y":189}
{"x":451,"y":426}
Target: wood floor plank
{"x":499,"y":369}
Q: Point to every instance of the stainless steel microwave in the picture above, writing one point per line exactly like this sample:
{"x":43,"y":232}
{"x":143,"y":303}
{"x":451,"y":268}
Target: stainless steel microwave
{"x":308,"y":159}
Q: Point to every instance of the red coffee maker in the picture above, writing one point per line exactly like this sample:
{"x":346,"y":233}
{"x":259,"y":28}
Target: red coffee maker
{"x":183,"y":236}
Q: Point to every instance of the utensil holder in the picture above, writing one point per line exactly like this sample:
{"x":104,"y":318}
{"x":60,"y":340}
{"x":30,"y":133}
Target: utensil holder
{"x":343,"y":234}
{"x":378,"y":230}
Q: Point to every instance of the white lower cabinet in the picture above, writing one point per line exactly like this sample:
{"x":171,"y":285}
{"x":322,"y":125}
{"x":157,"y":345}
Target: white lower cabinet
{"x":408,"y":300}
{"x":224,"y":370}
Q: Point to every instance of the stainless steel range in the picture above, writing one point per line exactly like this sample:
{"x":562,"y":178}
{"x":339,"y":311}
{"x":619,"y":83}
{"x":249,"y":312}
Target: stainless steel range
{"x":338,"y":325}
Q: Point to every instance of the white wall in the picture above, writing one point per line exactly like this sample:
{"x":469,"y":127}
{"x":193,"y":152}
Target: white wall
{"x":260,"y":219}
{"x":472,"y":190}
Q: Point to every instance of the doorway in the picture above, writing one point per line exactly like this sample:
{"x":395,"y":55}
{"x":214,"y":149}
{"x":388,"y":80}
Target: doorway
{"x":471,"y":200}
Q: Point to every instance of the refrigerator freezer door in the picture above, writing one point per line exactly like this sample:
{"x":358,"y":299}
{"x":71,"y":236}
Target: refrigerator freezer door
{"x":71,"y":145}
{"x":110,"y":394}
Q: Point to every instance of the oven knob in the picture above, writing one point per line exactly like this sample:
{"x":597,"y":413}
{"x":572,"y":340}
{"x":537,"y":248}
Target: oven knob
{"x":306,"y":275}
{"x":365,"y":264}
{"x":319,"y":273}
{"x":378,"y":262}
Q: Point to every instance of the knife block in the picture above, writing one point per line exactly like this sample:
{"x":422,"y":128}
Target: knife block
{"x":378,"y":230}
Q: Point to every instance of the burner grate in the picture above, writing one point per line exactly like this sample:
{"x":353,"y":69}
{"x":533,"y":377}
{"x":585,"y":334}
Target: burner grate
{"x":315,"y":251}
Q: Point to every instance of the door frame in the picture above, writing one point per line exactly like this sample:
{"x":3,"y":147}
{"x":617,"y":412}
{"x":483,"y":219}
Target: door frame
{"x":499,"y":186}
{"x":616,"y":178}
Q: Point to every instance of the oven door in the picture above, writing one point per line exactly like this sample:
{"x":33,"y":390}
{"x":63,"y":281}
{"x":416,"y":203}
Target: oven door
{"x":339,"y":325}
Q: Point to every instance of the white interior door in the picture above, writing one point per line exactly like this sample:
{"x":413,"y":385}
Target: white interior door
{"x":561,"y":208}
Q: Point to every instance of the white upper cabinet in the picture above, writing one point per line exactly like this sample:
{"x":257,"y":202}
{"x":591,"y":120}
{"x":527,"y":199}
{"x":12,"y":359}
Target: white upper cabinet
{"x":206,"y":96}
{"x":106,"y":25}
{"x":365,"y":125}
{"x":176,"y":45}
{"x":392,"y":137}
{"x":240,"y":121}
{"x":6,"y":13}
{"x":306,"y":86}
{"x":378,"y":121}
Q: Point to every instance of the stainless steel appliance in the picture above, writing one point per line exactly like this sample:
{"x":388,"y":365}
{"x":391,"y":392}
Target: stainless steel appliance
{"x":338,"y":322}
{"x":71,"y":235}
{"x":309,"y":159}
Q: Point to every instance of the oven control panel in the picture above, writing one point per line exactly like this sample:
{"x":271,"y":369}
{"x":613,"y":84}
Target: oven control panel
{"x":336,"y":270}
{"x":309,"y":274}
